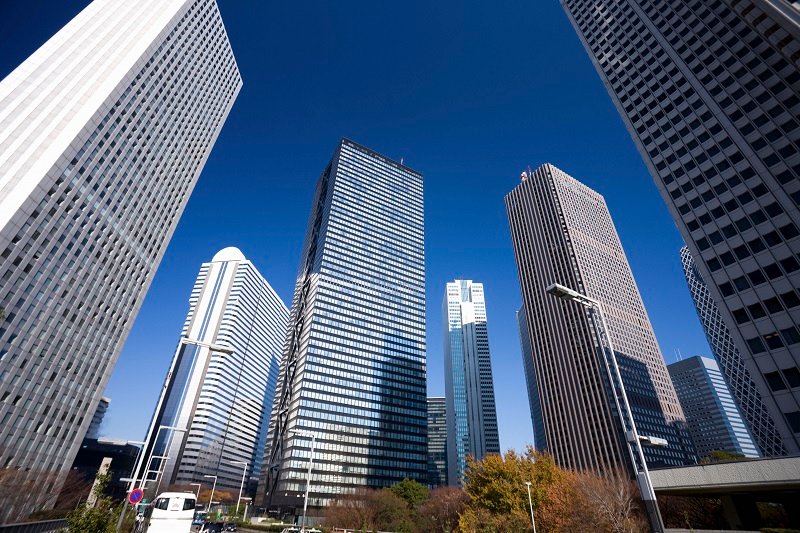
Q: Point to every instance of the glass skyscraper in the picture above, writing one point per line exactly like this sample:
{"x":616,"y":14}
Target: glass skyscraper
{"x":353,"y":371}
{"x":710,"y":92}
{"x":744,"y":391}
{"x":563,"y":233}
{"x":437,"y":441}
{"x":104,"y":131}
{"x":711,"y":414}
{"x":222,"y":399}
{"x":469,"y":387}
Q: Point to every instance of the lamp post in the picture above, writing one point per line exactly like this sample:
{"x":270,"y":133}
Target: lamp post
{"x":150,"y":457}
{"x":214,"y":486}
{"x":241,"y":487}
{"x":152,"y":430}
{"x":198,"y":485}
{"x":133,"y":471}
{"x":247,"y":500}
{"x":530,"y":503}
{"x":618,"y":392}
{"x":308,"y":477}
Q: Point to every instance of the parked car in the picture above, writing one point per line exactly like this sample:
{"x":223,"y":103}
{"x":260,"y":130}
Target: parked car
{"x":229,"y":526}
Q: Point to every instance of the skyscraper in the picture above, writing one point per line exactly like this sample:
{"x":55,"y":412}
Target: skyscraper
{"x":744,"y":391}
{"x":469,"y":387}
{"x":103,"y":133}
{"x":97,"y":418}
{"x":563,"y":233}
{"x":712,"y":417}
{"x":437,"y":441}
{"x":539,"y":438}
{"x":353,"y":370}
{"x":222,"y":399}
{"x":709,"y":92}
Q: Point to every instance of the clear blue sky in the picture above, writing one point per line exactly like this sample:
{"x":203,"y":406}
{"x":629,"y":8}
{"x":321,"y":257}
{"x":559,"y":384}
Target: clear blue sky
{"x":469,"y":93}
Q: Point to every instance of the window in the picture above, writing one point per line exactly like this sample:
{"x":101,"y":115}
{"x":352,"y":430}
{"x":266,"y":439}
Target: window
{"x":794,"y":420}
{"x":790,"y":299}
{"x":756,"y":311}
{"x":792,"y":376}
{"x":773,"y":340}
{"x":790,"y":335}
{"x":161,"y":503}
{"x":774,"y":381}
{"x":755,"y":345}
{"x":188,"y":504}
{"x":740,"y":316}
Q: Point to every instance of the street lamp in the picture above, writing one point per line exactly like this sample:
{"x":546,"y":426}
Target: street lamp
{"x":133,"y":470}
{"x":248,"y":500}
{"x":150,"y":458}
{"x":241,"y":487}
{"x":214,"y":486}
{"x":618,"y":391}
{"x":313,"y":437}
{"x":152,"y":429}
{"x":530,"y":502}
{"x":198,"y":485}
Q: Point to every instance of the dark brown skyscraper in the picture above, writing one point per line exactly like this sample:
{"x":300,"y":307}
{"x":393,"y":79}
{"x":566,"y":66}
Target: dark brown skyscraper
{"x":563,"y":233}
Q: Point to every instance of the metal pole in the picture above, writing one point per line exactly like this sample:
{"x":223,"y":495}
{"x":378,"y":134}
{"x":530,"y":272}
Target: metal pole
{"x":643,"y":477}
{"x":133,"y":472}
{"x":530,"y":502}
{"x":241,"y":487}
{"x":211,"y":499}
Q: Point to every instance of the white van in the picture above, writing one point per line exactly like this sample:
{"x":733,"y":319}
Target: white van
{"x":173,"y":512}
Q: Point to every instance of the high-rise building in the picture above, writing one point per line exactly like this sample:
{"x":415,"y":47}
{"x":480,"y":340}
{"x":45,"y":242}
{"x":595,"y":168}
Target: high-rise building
{"x":353,"y":373}
{"x":539,"y":438}
{"x":437,"y":441}
{"x":760,"y":423}
{"x":97,"y":418}
{"x":222,"y":398}
{"x":563,"y":233}
{"x":709,"y":92}
{"x":469,"y":387}
{"x":712,"y":417}
{"x":103,"y":133}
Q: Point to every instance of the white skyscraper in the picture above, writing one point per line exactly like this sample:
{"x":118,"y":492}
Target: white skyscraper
{"x":104,"y":131}
{"x":469,"y":388}
{"x":222,"y":399}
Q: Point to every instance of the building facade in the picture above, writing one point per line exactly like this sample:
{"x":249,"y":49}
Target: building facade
{"x":748,"y":399}
{"x":437,"y":441}
{"x":354,"y":373}
{"x":104,"y":131}
{"x":712,"y":416}
{"x":222,"y":399}
{"x":469,"y":387}
{"x":97,"y":418}
{"x":563,"y":233}
{"x":709,"y":92}
{"x":526,"y":349}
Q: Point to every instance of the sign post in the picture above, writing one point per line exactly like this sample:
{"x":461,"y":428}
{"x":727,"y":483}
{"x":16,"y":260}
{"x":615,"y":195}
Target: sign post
{"x":135,"y":496}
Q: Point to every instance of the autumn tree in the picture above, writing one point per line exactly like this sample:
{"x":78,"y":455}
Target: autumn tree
{"x":613,"y":502}
{"x":441,"y":511}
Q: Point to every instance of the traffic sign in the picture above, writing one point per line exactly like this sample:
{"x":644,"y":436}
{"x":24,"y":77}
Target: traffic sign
{"x":136,"y":496}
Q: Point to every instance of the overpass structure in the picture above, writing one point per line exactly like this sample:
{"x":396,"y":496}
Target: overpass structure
{"x":739,"y":484}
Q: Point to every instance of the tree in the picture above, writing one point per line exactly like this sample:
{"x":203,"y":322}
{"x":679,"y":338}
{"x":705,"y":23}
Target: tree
{"x":411,"y":491}
{"x":721,"y":456}
{"x":102,"y":518}
{"x":497,"y":491}
{"x":371,"y":509}
{"x":613,"y":502}
{"x":440,"y":512}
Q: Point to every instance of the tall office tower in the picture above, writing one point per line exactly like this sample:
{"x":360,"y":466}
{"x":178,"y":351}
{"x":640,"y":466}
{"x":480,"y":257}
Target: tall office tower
{"x":539,"y":438}
{"x":469,"y":388}
{"x":744,"y":391}
{"x":103,"y":133}
{"x":712,"y":417}
{"x":563,"y":233}
{"x":97,"y":418}
{"x":353,"y":370}
{"x":437,"y":441}
{"x":222,"y":398}
{"x":709,"y":92}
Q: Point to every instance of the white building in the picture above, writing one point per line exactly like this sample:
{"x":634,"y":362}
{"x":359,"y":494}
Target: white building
{"x":104,"y":131}
{"x":222,"y":398}
{"x":469,"y":388}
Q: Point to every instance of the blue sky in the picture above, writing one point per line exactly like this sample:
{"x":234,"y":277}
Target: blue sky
{"x":468,"y":93}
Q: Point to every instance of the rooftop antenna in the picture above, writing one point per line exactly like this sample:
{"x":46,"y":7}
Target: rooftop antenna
{"x":401,"y":160}
{"x":678,"y":353}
